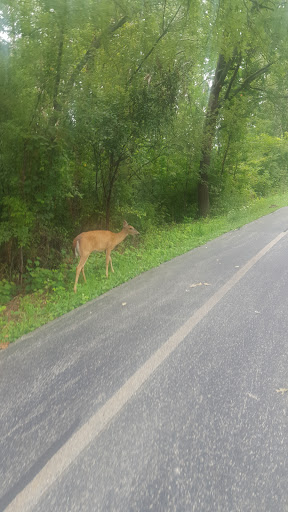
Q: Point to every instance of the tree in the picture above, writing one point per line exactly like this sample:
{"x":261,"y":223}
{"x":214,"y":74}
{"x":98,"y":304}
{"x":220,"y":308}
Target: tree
{"x":245,"y":59}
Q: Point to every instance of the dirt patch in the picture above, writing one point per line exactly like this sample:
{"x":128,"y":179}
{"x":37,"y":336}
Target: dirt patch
{"x":12,"y":305}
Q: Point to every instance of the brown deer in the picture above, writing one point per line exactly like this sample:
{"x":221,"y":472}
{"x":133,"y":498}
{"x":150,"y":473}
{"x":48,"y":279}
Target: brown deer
{"x":100,"y":240}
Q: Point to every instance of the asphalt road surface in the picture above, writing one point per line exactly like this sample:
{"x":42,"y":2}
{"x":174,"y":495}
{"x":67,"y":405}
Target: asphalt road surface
{"x":166,"y":394}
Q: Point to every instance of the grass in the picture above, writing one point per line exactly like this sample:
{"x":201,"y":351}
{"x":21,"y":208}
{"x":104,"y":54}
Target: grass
{"x":55,"y":297}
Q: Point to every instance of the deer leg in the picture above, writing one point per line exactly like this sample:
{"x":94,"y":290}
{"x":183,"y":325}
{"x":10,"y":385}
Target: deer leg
{"x":79,"y":268}
{"x":111,"y":264}
{"x":83,"y":274}
{"x":108,"y":258}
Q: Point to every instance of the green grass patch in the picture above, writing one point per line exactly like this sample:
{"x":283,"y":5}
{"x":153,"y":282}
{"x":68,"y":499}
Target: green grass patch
{"x":54,"y":294}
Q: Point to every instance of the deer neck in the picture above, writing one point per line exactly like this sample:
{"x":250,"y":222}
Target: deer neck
{"x":121,"y":236}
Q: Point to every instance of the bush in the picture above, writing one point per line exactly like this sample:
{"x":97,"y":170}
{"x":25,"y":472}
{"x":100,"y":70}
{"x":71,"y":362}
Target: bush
{"x":7,"y":291}
{"x":40,"y":279}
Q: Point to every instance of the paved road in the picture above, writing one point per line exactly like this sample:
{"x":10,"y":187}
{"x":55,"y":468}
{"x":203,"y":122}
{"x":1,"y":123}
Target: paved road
{"x":160,"y":395}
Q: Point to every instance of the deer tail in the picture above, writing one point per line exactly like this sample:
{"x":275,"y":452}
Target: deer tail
{"x":76,"y":246}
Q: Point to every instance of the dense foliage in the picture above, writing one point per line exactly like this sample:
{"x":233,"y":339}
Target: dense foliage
{"x":154,"y":110}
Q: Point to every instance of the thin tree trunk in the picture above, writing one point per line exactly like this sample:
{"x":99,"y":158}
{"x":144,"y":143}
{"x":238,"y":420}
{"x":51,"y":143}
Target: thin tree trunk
{"x":113,"y":174}
{"x":56,"y":105}
{"x":108,"y":210}
{"x":21,"y":265}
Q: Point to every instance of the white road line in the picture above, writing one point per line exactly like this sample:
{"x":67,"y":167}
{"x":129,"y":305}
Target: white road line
{"x":62,"y":459}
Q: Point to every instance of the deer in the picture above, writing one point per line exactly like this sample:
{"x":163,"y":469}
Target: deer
{"x":99,"y":241}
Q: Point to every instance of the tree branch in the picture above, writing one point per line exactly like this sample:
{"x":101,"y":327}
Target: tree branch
{"x":95,"y":45}
{"x":257,"y":6}
{"x":225,"y":154}
{"x":154,"y":46}
{"x":251,"y":78}
{"x":233,"y":78}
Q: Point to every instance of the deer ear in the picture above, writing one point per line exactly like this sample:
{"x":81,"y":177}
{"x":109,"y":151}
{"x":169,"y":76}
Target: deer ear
{"x":125,"y":224}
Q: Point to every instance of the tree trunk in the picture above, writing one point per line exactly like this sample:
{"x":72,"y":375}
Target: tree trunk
{"x":209,"y":130}
{"x":203,"y":195}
